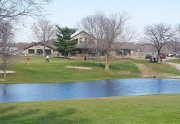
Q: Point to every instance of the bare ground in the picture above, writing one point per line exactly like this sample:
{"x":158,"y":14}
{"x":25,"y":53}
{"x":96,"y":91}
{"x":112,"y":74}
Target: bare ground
{"x":147,"y":72}
{"x":80,"y":67}
{"x":7,"y":71}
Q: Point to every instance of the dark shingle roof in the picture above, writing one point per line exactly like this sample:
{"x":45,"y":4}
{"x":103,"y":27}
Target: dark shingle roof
{"x":49,"y":44}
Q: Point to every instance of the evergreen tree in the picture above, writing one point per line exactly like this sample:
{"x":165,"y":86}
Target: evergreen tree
{"x":64,"y":45}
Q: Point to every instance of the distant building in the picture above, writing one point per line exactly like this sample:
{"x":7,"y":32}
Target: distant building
{"x":38,"y":48}
{"x":11,"y":48}
{"x":88,"y":45}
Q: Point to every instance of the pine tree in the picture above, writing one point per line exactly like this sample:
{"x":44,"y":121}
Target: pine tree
{"x":64,"y":45}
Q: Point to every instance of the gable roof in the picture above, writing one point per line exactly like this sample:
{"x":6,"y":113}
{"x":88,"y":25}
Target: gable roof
{"x":84,"y":33}
{"x":23,"y":45}
{"x":37,"y":44}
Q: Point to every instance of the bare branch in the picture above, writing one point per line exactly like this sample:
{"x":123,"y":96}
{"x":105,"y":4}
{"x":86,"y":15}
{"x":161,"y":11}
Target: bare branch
{"x":159,"y":36}
{"x":107,"y":30}
{"x":14,"y":9}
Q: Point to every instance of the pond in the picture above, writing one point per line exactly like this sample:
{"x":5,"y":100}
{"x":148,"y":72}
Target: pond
{"x":89,"y":89}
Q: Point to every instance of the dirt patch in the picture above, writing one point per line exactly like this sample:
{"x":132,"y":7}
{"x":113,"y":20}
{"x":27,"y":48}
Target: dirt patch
{"x":147,"y":72}
{"x":7,"y":71}
{"x":2,"y":80}
{"x":80,"y":67}
{"x":124,"y":72}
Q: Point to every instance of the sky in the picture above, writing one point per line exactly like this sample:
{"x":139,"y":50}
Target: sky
{"x":70,"y":12}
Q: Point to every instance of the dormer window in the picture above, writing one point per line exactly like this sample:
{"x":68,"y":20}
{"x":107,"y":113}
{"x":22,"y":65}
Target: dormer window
{"x":80,"y":40}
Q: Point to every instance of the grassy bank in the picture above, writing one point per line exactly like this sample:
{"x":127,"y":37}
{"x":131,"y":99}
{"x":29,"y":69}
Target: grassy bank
{"x":56,"y":71}
{"x":163,"y":68}
{"x":153,"y":109}
{"x":174,"y":61}
{"x":160,"y":67}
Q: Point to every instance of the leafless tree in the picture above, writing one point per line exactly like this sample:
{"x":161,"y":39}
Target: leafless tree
{"x":159,"y":36}
{"x":176,"y":45}
{"x":14,"y":9}
{"x":6,"y":53}
{"x":107,"y":30}
{"x":44,"y":31}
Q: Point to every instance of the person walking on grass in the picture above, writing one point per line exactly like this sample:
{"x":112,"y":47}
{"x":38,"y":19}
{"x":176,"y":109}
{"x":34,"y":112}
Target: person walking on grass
{"x":47,"y":58}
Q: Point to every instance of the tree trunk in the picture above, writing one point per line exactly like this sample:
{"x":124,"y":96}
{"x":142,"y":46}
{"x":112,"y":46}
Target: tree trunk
{"x":4,"y":65}
{"x":107,"y":61}
{"x":159,"y":60}
{"x":4,"y":72}
{"x":44,"y":51}
{"x":65,"y":55}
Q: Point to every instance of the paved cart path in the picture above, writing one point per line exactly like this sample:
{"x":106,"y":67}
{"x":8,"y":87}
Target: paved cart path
{"x":176,"y":65}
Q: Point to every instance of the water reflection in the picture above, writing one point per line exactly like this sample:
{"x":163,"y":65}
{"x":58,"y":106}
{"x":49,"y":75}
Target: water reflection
{"x":102,"y":88}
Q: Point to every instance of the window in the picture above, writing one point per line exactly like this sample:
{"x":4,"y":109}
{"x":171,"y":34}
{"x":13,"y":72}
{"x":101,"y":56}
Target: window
{"x":39,"y":51}
{"x":85,"y":40}
{"x":31,"y":51}
{"x":80,"y":40}
{"x":48,"y":52}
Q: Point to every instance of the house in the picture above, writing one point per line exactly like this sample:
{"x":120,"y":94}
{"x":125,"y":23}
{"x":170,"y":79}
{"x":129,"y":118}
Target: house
{"x":87,"y":45}
{"x":11,"y":48}
{"x":38,"y":48}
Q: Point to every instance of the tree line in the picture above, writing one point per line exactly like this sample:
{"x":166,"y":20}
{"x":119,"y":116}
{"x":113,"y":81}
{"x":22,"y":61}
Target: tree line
{"x":112,"y":31}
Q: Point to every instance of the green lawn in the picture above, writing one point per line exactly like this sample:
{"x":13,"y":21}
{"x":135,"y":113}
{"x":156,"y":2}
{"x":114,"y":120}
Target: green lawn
{"x":160,"y":67}
{"x":55,"y":71}
{"x":152,"y":109}
{"x":163,"y":68}
{"x":174,"y":61}
{"x":41,"y":72}
{"x":158,"y":109}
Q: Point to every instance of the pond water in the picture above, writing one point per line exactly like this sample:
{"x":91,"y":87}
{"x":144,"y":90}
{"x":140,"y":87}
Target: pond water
{"x":89,"y":89}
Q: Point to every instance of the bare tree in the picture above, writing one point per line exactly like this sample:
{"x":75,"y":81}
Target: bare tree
{"x":44,"y":31}
{"x":159,"y":36}
{"x":13,"y":9}
{"x":107,"y":30}
{"x":176,"y":45}
{"x":6,"y":36}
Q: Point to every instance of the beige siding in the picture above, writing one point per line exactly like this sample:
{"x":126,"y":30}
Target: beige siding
{"x":83,"y":36}
{"x":39,"y":47}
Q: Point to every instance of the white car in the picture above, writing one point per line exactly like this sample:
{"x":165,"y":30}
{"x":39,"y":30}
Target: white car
{"x":170,"y":54}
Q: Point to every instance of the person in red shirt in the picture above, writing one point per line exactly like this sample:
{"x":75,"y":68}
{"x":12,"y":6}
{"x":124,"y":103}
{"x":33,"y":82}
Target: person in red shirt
{"x":28,"y":60}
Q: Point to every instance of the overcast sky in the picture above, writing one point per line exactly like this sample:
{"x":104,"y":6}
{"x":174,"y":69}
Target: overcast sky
{"x":142,"y":13}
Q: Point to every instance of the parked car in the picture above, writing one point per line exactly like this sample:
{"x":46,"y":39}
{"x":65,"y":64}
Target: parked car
{"x":170,"y":54}
{"x":163,"y":55}
{"x":148,"y":56}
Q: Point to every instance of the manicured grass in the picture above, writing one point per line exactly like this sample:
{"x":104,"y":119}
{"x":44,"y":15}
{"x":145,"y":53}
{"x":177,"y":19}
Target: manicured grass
{"x":163,"y":68}
{"x":159,"y":67}
{"x":174,"y":61}
{"x":55,"y":71}
{"x":152,"y":109}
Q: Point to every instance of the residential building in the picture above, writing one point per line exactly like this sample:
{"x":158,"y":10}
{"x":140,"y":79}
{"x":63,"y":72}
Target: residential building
{"x":88,"y":45}
{"x":11,"y":48}
{"x":38,"y":48}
